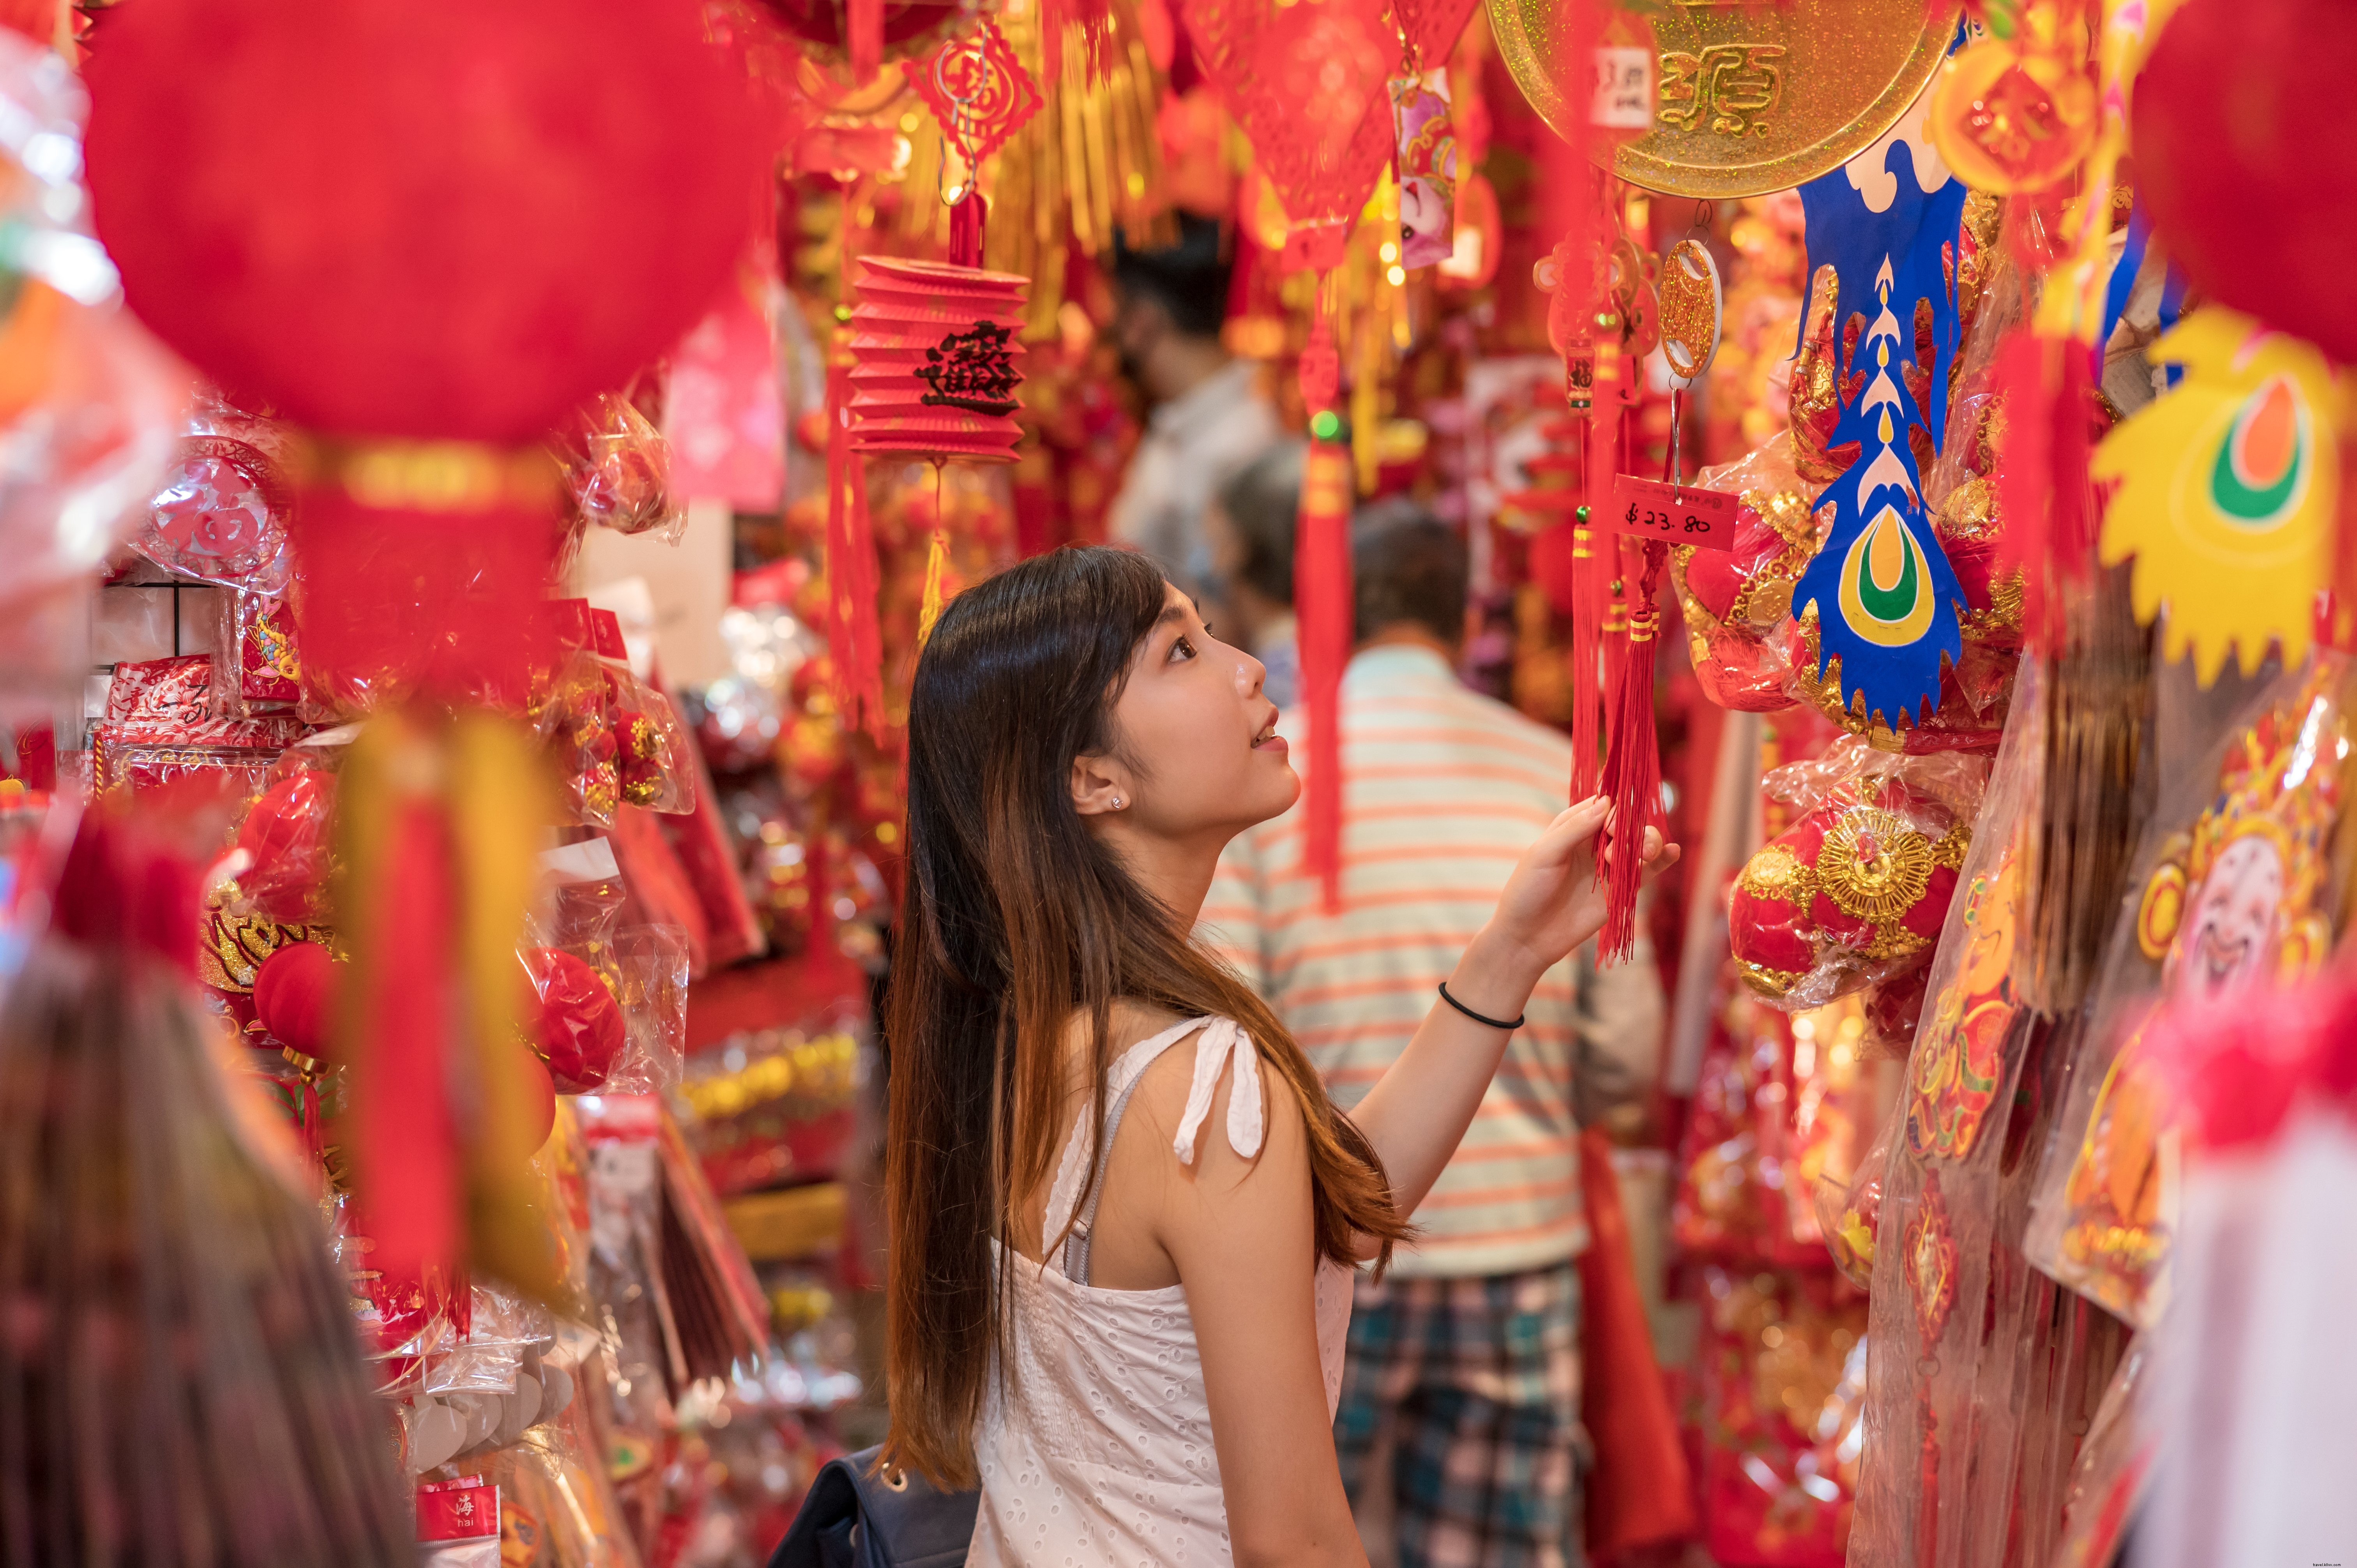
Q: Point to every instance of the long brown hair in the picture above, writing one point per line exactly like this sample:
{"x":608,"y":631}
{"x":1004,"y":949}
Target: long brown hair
{"x":1015,"y":920}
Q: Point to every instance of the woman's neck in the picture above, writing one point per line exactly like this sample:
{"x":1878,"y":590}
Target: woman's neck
{"x":1178,"y":872}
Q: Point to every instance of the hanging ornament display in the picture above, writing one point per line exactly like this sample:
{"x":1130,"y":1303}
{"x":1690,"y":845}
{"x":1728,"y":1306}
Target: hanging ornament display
{"x":1752,"y":98}
{"x":2230,"y":484}
{"x":1426,"y":162}
{"x":1691,"y":309}
{"x":2015,"y":110}
{"x":1881,"y":594}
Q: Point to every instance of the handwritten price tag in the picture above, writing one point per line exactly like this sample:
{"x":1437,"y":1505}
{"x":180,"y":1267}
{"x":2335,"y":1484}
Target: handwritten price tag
{"x":1678,"y":514}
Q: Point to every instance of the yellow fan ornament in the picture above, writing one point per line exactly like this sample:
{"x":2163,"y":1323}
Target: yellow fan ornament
{"x":2229,"y":484}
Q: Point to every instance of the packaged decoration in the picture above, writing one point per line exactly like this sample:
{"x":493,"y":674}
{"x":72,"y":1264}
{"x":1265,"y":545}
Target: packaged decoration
{"x":617,"y":469}
{"x":160,"y":726}
{"x":2235,"y":891}
{"x":1853,"y":892}
{"x":654,"y":766}
{"x":1736,"y":602}
{"x":223,"y":514}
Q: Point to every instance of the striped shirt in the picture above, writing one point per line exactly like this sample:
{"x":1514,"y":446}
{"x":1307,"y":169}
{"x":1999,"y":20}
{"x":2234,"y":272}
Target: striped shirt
{"x":1443,"y":789}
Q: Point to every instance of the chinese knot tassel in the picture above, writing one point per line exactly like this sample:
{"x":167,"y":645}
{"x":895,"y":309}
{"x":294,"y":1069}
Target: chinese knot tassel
{"x":1632,"y":769}
{"x":852,"y":634}
{"x":1586,"y":693}
{"x":2043,"y":485}
{"x":1324,"y":603}
{"x":436,"y":822}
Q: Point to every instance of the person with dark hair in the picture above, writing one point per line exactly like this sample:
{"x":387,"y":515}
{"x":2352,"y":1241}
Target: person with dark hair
{"x":1122,"y":1211}
{"x":1208,"y":415}
{"x":1249,"y":528}
{"x":1459,"y":1420}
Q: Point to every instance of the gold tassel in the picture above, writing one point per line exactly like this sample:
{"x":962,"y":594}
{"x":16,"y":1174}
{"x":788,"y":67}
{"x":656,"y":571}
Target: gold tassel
{"x":929,"y":609}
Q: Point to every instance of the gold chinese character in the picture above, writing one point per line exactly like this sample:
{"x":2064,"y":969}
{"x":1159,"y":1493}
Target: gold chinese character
{"x":1733,"y":85}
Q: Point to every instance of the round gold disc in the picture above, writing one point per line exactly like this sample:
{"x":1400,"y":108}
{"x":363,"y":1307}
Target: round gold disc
{"x":1751,"y":97}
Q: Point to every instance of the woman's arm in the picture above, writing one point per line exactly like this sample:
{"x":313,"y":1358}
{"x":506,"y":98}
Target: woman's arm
{"x":1240,"y":1234}
{"x":1418,"y":1111}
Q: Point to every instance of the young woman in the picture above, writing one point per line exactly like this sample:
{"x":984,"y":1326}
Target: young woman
{"x":1123,"y":1212}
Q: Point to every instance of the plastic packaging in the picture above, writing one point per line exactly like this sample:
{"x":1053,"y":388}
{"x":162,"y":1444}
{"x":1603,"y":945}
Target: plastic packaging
{"x":458,"y":1524}
{"x":1735,"y":602}
{"x":1853,"y":892}
{"x":223,"y":514}
{"x":654,"y":766}
{"x":617,"y":469}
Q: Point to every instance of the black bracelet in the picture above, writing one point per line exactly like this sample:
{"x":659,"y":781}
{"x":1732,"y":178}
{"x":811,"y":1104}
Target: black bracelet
{"x":1493,"y":1023}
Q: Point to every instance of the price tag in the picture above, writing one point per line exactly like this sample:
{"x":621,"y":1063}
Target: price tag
{"x":1624,"y":88}
{"x":1678,"y":514}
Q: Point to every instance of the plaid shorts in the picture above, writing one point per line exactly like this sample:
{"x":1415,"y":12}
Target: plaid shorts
{"x":1471,"y":1386}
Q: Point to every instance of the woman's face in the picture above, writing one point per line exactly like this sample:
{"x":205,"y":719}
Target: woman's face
{"x":1197,"y":751}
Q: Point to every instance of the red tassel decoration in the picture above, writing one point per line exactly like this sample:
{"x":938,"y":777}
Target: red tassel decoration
{"x":1632,"y":773}
{"x":1324,"y":602}
{"x":851,"y":628}
{"x":862,"y":40}
{"x":2043,"y":485}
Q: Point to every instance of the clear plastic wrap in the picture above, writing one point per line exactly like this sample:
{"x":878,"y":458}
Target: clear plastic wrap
{"x":1853,"y":892}
{"x":221,"y":515}
{"x":617,"y":469}
{"x":1734,"y":601}
{"x":2236,"y":889}
{"x":654,"y":767}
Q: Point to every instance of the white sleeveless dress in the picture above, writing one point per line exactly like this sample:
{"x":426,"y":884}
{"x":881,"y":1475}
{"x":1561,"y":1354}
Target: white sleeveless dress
{"x":1095,"y":1446}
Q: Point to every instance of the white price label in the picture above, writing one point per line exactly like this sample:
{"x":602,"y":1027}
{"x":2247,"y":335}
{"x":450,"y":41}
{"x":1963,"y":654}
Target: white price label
{"x":1624,"y":88}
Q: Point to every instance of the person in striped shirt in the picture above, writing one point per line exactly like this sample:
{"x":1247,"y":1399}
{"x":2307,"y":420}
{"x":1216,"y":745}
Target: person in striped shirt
{"x":1459,"y":1413}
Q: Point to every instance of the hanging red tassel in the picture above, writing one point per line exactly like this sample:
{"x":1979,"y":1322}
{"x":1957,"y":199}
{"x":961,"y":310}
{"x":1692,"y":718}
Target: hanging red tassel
{"x":1633,"y":772}
{"x":863,"y":29}
{"x":2043,"y":484}
{"x":852,"y":636}
{"x":1323,"y":602}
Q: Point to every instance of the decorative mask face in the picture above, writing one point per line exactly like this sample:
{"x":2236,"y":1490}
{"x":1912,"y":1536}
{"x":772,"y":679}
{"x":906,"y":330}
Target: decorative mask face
{"x":2229,"y":935}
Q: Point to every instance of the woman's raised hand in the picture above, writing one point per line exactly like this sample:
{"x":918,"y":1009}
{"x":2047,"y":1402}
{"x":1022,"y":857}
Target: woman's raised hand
{"x":1554,"y":901}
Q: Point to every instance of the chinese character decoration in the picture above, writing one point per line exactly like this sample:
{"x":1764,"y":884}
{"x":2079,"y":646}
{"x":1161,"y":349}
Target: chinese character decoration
{"x":980,"y":95}
{"x":1884,"y":597}
{"x":1725,"y":89}
{"x":2230,"y":484}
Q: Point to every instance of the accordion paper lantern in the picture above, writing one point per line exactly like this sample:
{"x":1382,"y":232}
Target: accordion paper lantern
{"x":934,"y":350}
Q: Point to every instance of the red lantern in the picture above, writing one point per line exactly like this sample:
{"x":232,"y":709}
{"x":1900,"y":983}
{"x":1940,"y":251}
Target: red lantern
{"x":2242,"y":148}
{"x":933,"y":350}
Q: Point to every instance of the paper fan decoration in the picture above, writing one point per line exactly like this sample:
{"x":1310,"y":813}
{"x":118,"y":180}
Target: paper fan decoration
{"x":2230,"y":485}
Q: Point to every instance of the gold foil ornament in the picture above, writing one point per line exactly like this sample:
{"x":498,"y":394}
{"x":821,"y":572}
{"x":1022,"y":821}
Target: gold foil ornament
{"x":1690,"y":310}
{"x":1752,"y":97}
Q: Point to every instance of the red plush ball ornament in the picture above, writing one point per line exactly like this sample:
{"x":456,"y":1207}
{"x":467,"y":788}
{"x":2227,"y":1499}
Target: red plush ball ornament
{"x":2242,"y":145}
{"x":1854,"y":893}
{"x":391,"y":219}
{"x":293,"y":996}
{"x":580,"y":1030}
{"x":287,"y":833}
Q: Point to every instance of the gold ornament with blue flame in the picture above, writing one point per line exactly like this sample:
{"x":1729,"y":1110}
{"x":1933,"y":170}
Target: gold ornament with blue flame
{"x":2230,"y":483}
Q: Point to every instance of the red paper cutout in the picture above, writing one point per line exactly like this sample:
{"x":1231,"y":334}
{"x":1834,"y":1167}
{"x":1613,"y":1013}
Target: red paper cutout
{"x":977,"y":90}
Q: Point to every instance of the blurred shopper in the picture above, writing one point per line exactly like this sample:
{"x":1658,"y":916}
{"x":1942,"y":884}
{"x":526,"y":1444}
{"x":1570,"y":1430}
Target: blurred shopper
{"x":1459,"y":1414}
{"x":1207,"y":415}
{"x":1249,"y":530}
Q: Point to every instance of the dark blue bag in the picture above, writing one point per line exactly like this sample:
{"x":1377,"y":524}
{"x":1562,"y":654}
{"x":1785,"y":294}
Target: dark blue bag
{"x":854,"y":1519}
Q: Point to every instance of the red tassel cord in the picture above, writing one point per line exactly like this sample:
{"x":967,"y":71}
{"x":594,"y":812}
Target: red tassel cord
{"x":852,"y":635}
{"x":1586,"y":641}
{"x":2043,"y":486}
{"x":1324,"y":602}
{"x":1633,"y":772}
{"x":862,"y":27}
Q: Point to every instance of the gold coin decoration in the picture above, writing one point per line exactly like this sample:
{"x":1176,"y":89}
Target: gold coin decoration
{"x":1751,"y":97}
{"x":1690,"y":310}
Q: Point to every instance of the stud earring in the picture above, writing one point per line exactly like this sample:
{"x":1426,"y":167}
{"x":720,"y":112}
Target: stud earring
{"x":1116,"y":802}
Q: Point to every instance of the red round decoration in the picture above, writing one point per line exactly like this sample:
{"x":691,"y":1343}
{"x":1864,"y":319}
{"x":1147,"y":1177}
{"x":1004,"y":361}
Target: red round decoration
{"x":285,"y":831}
{"x":292,"y":993}
{"x":2243,"y":149}
{"x":580,"y":1031}
{"x":400,"y":220}
{"x":934,"y":350}
{"x":536,"y":1097}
